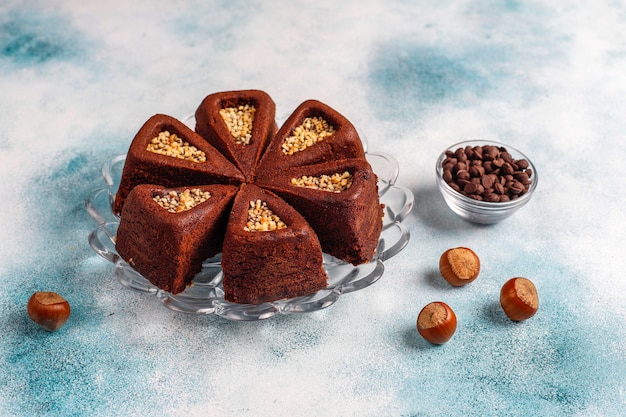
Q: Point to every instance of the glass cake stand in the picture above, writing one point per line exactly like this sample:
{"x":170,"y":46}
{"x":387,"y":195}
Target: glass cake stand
{"x":206,"y":296}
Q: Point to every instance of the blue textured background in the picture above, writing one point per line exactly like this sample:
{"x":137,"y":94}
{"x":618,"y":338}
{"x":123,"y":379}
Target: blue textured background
{"x":77,"y":80}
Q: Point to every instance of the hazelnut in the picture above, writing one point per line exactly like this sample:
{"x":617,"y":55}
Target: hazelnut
{"x":49,"y":310}
{"x":519,"y":299}
{"x":436,"y":322}
{"x":459,"y":266}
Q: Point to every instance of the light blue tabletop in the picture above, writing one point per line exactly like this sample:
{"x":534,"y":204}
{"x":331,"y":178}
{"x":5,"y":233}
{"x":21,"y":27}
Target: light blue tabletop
{"x":78,"y":79}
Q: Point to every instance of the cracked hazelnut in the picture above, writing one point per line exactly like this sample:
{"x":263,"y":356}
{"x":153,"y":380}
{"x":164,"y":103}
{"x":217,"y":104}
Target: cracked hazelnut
{"x":459,"y":266}
{"x":48,"y":309}
{"x":519,"y":299}
{"x":436,"y":322}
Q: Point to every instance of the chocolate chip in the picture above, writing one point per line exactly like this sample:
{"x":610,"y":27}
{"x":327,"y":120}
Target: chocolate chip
{"x":461,"y":155}
{"x":476,"y":171}
{"x":473,"y":188}
{"x":487,"y":180}
{"x":506,"y":156}
{"x":517,"y":187}
{"x":489,"y":152}
{"x":461,"y":183}
{"x":460,"y":166}
{"x":522,"y":163}
{"x":506,"y":169}
{"x":463,"y":174}
{"x":522,"y":177}
{"x":491,"y":197}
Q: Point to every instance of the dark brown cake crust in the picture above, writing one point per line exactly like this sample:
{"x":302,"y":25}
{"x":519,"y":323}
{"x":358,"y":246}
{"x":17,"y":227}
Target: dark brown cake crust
{"x":343,"y":144}
{"x":211,"y":126}
{"x":168,"y":248}
{"x":145,"y":167}
{"x":266,"y":266}
{"x":348,"y":224}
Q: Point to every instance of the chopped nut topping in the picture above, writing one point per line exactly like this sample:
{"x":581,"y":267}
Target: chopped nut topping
{"x":170,"y":144}
{"x":334,"y":183}
{"x":239,"y":121}
{"x":311,"y":131}
{"x":262,"y":219}
{"x":175,"y":202}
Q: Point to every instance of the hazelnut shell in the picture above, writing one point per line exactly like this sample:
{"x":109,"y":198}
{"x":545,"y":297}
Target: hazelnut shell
{"x":519,"y":299}
{"x":436,"y":322}
{"x":48,"y":309}
{"x":459,"y":266}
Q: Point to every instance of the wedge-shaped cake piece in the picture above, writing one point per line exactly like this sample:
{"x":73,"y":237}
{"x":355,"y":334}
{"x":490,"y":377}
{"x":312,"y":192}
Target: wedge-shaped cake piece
{"x":165,"y":234}
{"x":166,"y":152}
{"x":313,"y":133}
{"x":239,"y":124}
{"x":339,"y":199}
{"x":270,"y":252}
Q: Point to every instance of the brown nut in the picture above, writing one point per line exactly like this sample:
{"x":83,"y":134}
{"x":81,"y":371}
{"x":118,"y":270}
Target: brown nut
{"x":459,"y":266}
{"x":519,"y":299}
{"x":436,"y":322}
{"x":48,"y":309}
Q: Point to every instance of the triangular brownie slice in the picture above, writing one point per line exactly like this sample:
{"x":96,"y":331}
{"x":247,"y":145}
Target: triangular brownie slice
{"x":166,"y":152}
{"x":239,"y":124}
{"x":313,"y":133}
{"x":339,"y":199}
{"x":270,"y":252}
{"x":165,"y":234}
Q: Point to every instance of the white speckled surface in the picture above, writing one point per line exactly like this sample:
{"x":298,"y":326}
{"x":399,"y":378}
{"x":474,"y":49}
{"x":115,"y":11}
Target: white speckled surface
{"x":549,"y":78}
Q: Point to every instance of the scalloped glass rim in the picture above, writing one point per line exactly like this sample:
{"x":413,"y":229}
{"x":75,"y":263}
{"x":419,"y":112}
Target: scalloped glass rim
{"x":205,"y":295}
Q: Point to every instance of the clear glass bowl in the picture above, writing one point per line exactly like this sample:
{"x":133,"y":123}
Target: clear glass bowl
{"x":206,"y":295}
{"x":483,"y":212}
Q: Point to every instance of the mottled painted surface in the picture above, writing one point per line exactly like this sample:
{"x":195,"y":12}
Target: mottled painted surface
{"x":78,"y":80}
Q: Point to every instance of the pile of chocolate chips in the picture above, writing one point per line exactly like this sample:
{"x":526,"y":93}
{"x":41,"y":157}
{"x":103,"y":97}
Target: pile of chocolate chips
{"x":486,"y":173}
